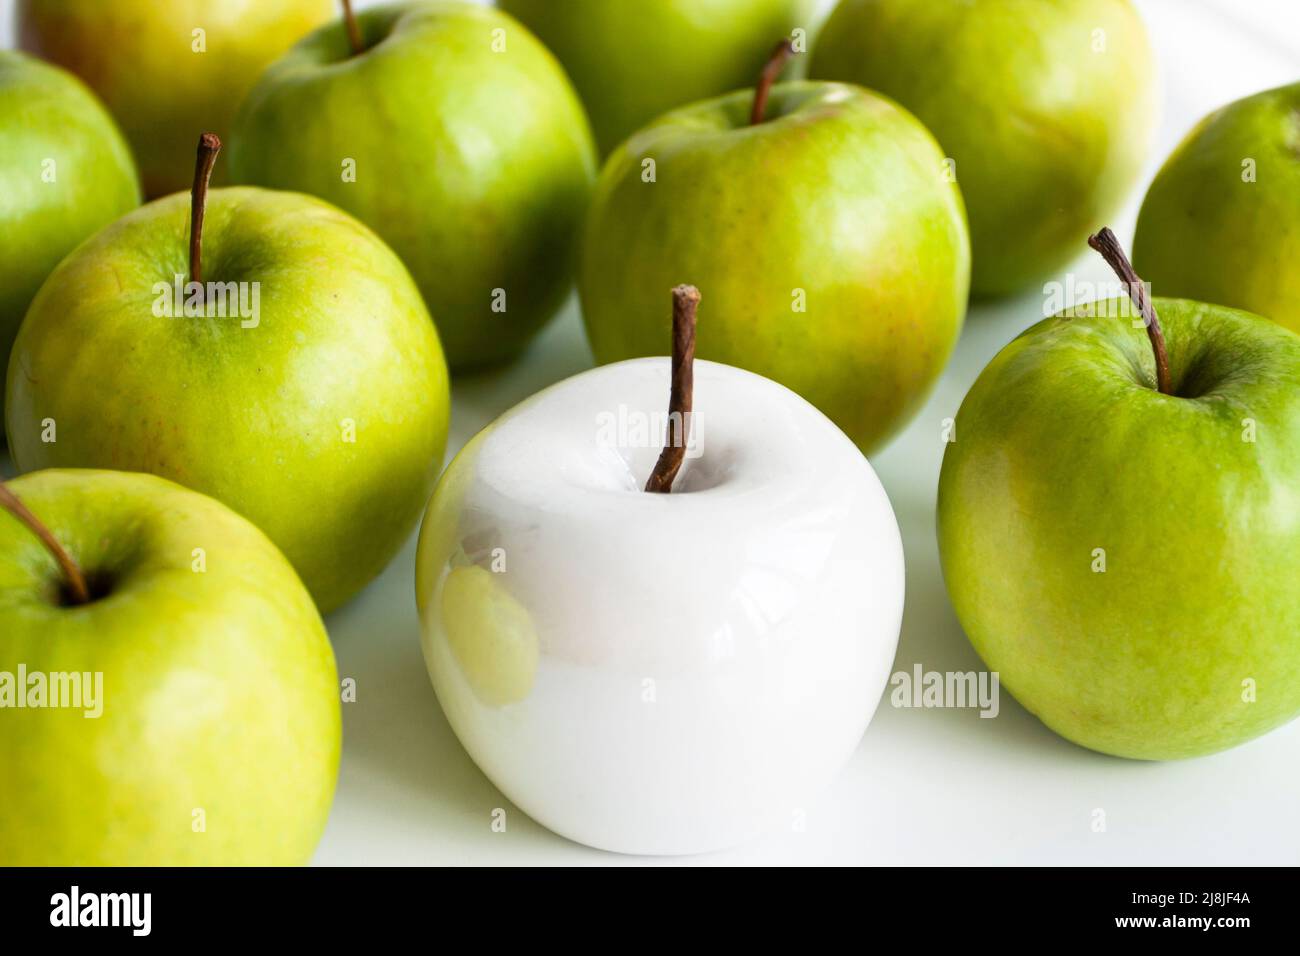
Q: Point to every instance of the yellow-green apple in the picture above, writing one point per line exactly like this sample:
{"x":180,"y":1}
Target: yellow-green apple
{"x":65,"y":171}
{"x":168,"y":694}
{"x":632,"y":60}
{"x":1044,"y":108}
{"x":656,"y":671}
{"x":1221,"y":222}
{"x":1122,"y":543}
{"x":454,"y":134}
{"x":169,"y":70}
{"x":833,"y":248}
{"x":280,"y":360}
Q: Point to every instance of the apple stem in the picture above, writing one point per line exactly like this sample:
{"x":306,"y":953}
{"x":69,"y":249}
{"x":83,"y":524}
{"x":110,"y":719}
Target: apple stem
{"x":1109,"y":246}
{"x":354,"y":30}
{"x":71,"y":572}
{"x":209,"y":146}
{"x":776,"y":62}
{"x":686,"y":301}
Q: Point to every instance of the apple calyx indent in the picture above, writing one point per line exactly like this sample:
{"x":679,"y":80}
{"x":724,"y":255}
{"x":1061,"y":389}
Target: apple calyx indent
{"x":1106,"y":243}
{"x":75,"y":581}
{"x":209,"y":146}
{"x":686,"y":302}
{"x":353,"y":28}
{"x":771,"y":70}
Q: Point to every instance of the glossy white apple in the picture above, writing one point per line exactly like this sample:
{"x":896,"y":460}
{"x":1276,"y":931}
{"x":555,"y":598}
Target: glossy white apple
{"x":660,"y":673}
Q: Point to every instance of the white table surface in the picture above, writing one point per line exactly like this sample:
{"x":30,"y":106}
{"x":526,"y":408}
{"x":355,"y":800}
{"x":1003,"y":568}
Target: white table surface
{"x":925,"y":786}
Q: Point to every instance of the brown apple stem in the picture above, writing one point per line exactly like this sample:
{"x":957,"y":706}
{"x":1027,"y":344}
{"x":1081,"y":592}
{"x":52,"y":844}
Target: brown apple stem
{"x":784,"y":50}
{"x":76,"y":581}
{"x":354,"y":30}
{"x":1111,"y":250}
{"x":209,"y":146}
{"x":686,"y":301}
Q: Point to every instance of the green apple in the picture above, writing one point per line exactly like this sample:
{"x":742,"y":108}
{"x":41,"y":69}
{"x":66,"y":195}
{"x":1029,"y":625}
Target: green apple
{"x":1127,"y":558}
{"x":1221,"y":222}
{"x":634,"y":59}
{"x":65,"y":171}
{"x":456,"y":136}
{"x":167,"y":70}
{"x":187,"y":713}
{"x":829,"y":246}
{"x":318,"y":411}
{"x":1044,"y":107}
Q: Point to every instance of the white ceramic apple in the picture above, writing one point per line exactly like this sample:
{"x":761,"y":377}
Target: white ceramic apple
{"x":660,"y":673}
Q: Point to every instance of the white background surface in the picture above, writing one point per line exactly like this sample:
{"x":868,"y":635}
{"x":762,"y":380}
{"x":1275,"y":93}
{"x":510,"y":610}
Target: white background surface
{"x":925,"y":786}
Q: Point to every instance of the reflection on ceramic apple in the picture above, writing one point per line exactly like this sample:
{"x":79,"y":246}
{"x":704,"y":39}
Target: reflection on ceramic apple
{"x":660,"y":673}
{"x":490,"y":634}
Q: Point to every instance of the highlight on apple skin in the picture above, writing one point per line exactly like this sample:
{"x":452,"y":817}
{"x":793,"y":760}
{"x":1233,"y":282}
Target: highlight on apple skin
{"x":1127,"y":559}
{"x":1221,"y":222}
{"x":695,"y":664}
{"x":457,"y":137}
{"x":188,"y":711}
{"x":1046,"y":109}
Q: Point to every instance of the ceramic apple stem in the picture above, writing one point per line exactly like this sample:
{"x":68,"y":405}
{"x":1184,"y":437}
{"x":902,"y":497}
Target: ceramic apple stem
{"x":1111,"y":250}
{"x":354,"y":31}
{"x":784,"y":50}
{"x":209,"y":146}
{"x":76,"y":581}
{"x":686,"y":301}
